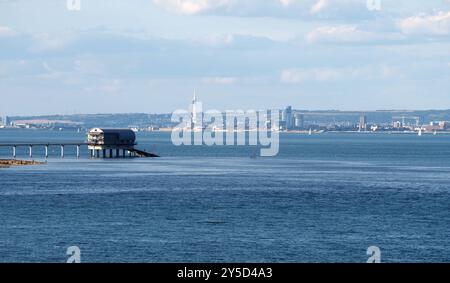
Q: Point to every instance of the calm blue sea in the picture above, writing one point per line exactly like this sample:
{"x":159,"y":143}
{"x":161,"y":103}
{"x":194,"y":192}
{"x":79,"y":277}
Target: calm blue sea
{"x":324,"y":198}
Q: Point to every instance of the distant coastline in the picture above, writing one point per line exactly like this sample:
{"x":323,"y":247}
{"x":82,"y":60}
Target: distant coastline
{"x":301,"y":121}
{"x":299,"y":132}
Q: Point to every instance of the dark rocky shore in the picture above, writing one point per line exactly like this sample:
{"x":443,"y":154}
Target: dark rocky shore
{"x":15,"y":162}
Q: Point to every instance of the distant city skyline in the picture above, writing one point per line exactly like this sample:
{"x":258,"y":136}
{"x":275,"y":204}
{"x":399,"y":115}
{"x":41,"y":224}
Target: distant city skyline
{"x":147,"y":56}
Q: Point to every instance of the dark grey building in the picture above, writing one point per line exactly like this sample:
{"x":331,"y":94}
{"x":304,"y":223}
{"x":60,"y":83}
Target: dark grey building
{"x":111,"y":139}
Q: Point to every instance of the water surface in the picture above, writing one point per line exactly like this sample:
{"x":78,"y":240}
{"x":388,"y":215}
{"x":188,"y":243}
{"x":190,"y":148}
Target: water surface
{"x":324,"y":198}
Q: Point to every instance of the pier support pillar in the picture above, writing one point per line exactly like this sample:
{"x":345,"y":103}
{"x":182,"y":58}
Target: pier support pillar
{"x":62,"y":151}
{"x":111,"y":153}
{"x":14,"y":152}
{"x":31,"y":151}
{"x":98,"y":153}
{"x":104,"y":153}
{"x":123,"y":153}
{"x":117,"y":152}
{"x":78,"y":151}
{"x":46,"y":151}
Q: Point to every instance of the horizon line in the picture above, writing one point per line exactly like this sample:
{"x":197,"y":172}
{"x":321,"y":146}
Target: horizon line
{"x":293,"y":109}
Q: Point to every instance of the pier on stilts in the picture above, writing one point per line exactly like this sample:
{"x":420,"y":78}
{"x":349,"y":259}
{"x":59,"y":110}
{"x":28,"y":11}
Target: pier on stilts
{"x":101,"y":143}
{"x":46,"y":146}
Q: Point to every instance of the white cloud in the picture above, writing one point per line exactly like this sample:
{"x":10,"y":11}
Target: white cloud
{"x":341,"y":33}
{"x":48,"y":42}
{"x":325,"y":74}
{"x":12,"y":67}
{"x":47,"y":67}
{"x":319,"y":6}
{"x":190,"y":7}
{"x":215,"y":40}
{"x":88,"y":65}
{"x":349,"y":34}
{"x":300,"y":9}
{"x":287,"y":3}
{"x":6,"y":31}
{"x":438,"y":24}
{"x":219,"y":80}
{"x":295,"y":76}
{"x":106,"y":86}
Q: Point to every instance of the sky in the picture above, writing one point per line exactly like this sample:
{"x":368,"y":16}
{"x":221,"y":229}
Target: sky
{"x":148,"y":56}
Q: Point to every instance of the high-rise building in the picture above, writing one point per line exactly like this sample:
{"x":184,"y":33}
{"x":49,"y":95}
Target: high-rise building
{"x":288,"y":118}
{"x":397,"y":124}
{"x":299,"y":121}
{"x":5,"y":121}
{"x":196,"y":113}
{"x":362,"y":123}
{"x":194,"y":110}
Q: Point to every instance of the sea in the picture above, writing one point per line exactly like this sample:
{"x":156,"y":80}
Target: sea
{"x":324,"y":198}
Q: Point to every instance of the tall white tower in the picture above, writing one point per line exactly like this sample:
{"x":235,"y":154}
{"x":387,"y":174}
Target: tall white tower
{"x":196,"y":114}
{"x":194,"y":110}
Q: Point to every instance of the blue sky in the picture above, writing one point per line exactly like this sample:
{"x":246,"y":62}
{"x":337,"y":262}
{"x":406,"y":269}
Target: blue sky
{"x":148,"y":55}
